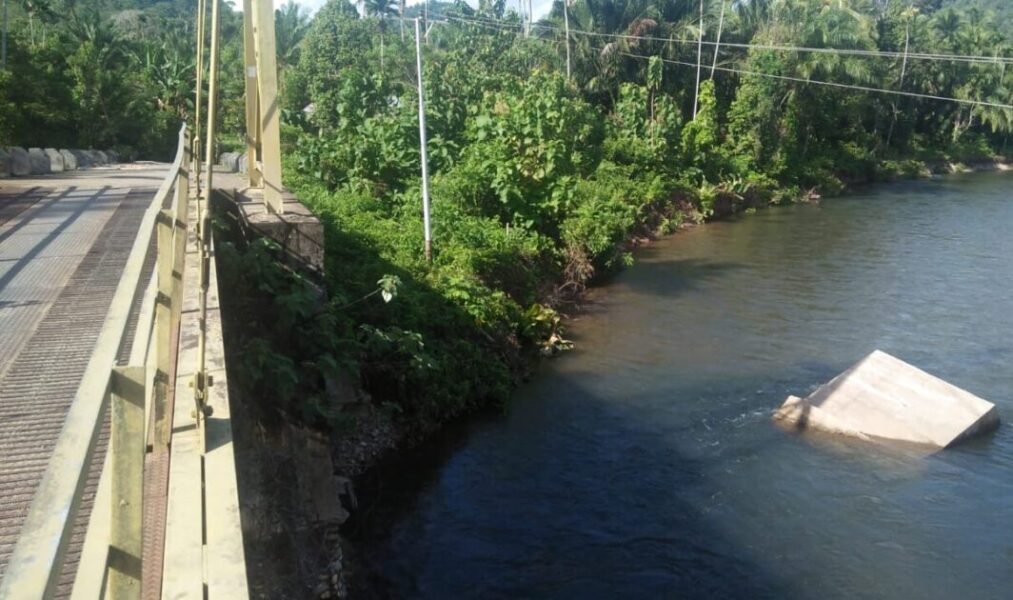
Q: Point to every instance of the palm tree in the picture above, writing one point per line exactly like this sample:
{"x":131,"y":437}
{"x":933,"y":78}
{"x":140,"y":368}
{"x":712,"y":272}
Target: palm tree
{"x":381,"y":9}
{"x":41,"y":8}
{"x":291,"y":22}
{"x":169,"y":73}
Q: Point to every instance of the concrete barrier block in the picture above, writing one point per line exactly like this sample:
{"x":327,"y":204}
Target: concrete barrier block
{"x":20,"y":163}
{"x":883,"y":398}
{"x":83,"y":158}
{"x":38,"y":161}
{"x":229,"y":161}
{"x":5,"y":163}
{"x":56,"y":163}
{"x":69,"y":160}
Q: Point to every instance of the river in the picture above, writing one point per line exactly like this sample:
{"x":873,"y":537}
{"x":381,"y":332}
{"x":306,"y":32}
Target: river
{"x":643,"y":464}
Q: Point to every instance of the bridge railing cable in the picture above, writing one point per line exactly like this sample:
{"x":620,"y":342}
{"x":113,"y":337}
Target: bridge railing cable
{"x":35,"y":567}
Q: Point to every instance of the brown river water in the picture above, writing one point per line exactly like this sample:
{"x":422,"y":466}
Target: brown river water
{"x":644,"y":464}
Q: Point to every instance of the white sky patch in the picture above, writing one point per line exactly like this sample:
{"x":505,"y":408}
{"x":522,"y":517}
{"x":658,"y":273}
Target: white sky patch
{"x":541,"y":7}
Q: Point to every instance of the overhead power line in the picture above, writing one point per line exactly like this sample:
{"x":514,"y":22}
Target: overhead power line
{"x":834,"y":84}
{"x":510,"y":27}
{"x":931,"y":56}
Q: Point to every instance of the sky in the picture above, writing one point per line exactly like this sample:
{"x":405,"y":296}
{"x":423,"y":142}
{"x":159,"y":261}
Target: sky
{"x":541,"y":7}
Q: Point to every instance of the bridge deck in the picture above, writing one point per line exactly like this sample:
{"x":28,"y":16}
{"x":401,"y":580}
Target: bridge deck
{"x":63,"y":243}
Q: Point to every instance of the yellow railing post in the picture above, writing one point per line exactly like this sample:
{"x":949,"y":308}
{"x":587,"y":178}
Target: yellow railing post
{"x":252,"y":101}
{"x":126,"y":444}
{"x":270,"y":111}
{"x":179,"y":228}
{"x":201,"y":10}
{"x":201,"y":381}
{"x":163,"y":331}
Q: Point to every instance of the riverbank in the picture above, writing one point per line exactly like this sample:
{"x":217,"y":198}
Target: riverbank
{"x":663,"y":410}
{"x":684,"y":212}
{"x":375,"y":426}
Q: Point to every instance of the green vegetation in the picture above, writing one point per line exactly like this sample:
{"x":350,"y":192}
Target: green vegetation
{"x":539,"y":183}
{"x":118,"y":74}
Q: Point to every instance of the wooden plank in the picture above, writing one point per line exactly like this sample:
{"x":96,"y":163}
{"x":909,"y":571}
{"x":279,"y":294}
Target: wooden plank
{"x":126,"y":500}
{"x":163,"y":329}
{"x":226,"y":563}
{"x":182,"y":575}
{"x":156,"y":463}
{"x":179,"y":235}
{"x":90,"y":581}
{"x":270,"y":111}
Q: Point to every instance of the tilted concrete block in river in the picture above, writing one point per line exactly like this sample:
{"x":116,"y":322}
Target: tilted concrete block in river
{"x":884,"y":398}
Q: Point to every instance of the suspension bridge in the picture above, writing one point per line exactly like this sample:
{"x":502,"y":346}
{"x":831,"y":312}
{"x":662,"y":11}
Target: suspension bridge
{"x":116,"y":456}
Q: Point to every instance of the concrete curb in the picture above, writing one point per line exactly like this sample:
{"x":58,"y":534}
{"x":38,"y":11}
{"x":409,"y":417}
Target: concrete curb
{"x":38,"y":161}
{"x":69,"y":160}
{"x":230,"y":161}
{"x":20,"y":165}
{"x":18,"y":162}
{"x":56,"y":162}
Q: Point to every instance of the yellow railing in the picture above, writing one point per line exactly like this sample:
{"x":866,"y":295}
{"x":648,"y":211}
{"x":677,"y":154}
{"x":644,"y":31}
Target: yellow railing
{"x":131,"y":393}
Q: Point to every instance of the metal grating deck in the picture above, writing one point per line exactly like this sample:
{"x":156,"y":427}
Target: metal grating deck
{"x":61,"y":256}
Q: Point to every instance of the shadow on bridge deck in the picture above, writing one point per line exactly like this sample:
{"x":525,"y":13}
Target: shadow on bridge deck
{"x":63,"y":243}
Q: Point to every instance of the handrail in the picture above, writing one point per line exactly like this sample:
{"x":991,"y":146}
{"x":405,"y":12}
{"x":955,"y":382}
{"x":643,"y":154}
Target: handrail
{"x":36,"y":563}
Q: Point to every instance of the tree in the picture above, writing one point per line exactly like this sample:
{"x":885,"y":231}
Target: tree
{"x":291,"y":22}
{"x":381,"y":9}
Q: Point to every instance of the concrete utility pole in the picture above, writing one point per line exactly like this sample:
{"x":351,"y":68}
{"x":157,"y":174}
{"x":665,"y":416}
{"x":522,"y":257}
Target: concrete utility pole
{"x":566,"y":20}
{"x":717,"y":46}
{"x":699,"y":57}
{"x":903,"y":72}
{"x":903,"y":65}
{"x":1002,"y":69}
{"x":4,"y":58}
{"x":422,"y":147}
